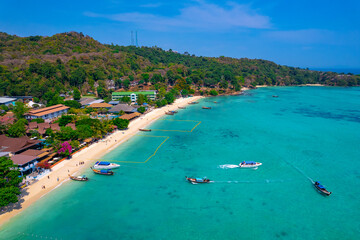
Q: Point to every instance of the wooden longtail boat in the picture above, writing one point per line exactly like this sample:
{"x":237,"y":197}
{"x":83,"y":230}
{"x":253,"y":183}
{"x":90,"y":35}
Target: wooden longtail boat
{"x":144,"y":130}
{"x":197,"y":180}
{"x":321,"y":188}
{"x":79,"y":178}
{"x":206,"y":107}
{"x":169,"y":113}
{"x":193,"y":102}
{"x":182,"y":107}
{"x":102,"y":171}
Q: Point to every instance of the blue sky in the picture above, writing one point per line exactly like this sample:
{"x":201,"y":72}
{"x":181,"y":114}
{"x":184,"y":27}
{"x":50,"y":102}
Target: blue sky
{"x":299,"y":33}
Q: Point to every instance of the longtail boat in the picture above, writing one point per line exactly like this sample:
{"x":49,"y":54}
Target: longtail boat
{"x":206,"y":107}
{"x":182,"y":107}
{"x":79,"y":178}
{"x":144,"y":130}
{"x":197,"y":180}
{"x":193,"y":102}
{"x":102,"y":171}
{"x":321,"y":188}
{"x":169,"y":113}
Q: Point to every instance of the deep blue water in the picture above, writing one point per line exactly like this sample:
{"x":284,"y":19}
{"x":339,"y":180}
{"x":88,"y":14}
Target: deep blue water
{"x":307,"y":133}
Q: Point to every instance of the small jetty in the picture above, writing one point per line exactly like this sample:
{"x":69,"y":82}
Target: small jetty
{"x":144,"y":130}
{"x":321,"y":188}
{"x":206,"y":107}
{"x":79,"y":178}
{"x":182,"y":107}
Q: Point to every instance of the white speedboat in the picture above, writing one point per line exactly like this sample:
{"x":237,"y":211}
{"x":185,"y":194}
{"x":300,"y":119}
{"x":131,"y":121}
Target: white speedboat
{"x":105,"y":165}
{"x":249,"y":164}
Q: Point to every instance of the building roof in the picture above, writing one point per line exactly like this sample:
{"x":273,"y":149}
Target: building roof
{"x":86,"y":101}
{"x":122,"y":107}
{"x":100,"y":105}
{"x":48,"y":110}
{"x":55,"y":126}
{"x":129,"y":93}
{"x":4,"y":100}
{"x":16,"y":144}
{"x":32,"y":125}
{"x":130,"y":116}
{"x":20,"y":159}
{"x":8,"y":118}
{"x":72,"y":125}
{"x":35,"y":153}
{"x":114,"y":102}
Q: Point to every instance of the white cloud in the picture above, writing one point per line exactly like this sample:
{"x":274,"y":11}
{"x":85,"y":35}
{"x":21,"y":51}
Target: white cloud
{"x":200,"y":16}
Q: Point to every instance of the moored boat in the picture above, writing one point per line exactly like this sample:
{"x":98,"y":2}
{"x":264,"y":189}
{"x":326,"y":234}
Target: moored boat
{"x":174,"y":111}
{"x":103,"y":171}
{"x":206,"y":107}
{"x":249,"y":164}
{"x":275,"y":96}
{"x":321,"y":188}
{"x":182,"y":107}
{"x":144,"y":130}
{"x":79,"y":178}
{"x":105,"y":165}
{"x":197,"y":180}
{"x":193,"y":102}
{"x":169,"y":113}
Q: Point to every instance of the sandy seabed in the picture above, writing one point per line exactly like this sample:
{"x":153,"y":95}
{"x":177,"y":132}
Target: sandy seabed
{"x":60,"y":173}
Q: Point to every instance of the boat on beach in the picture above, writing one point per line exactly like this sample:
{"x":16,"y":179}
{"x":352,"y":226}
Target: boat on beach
{"x":144,"y":130}
{"x":321,"y":188}
{"x":78,"y":178}
{"x":103,"y":171}
{"x":105,"y":165}
{"x":174,"y":111}
{"x":182,"y":107}
{"x":206,"y":107}
{"x":197,"y":180}
{"x":169,"y":113}
{"x":193,"y":102}
{"x":249,"y":164}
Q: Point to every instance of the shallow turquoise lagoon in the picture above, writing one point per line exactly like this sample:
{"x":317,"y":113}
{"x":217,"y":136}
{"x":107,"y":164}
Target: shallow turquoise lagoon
{"x":306,"y":134}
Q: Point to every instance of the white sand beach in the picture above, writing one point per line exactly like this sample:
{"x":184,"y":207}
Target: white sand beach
{"x":60,"y":172}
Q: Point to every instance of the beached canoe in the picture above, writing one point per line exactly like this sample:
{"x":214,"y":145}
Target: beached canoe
{"x":197,"y":180}
{"x":103,"y":171}
{"x":144,"y":130}
{"x":79,"y":178}
{"x":321,"y":188}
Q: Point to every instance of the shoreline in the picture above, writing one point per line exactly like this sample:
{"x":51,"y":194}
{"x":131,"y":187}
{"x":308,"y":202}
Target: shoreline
{"x":59,"y":174}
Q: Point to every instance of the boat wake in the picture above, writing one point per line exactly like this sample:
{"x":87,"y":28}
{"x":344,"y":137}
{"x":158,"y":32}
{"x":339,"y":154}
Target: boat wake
{"x":265,"y":181}
{"x":227,"y":166}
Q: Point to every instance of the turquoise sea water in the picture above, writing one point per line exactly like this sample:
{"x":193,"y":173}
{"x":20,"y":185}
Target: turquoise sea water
{"x":307,"y":133}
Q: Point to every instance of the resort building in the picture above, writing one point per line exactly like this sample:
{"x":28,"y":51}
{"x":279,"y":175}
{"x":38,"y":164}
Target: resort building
{"x":48,"y":112}
{"x":88,"y":101}
{"x":7,"y":101}
{"x":133,"y":95}
{"x":17,"y":145}
{"x":130,"y":116}
{"x":123,"y":107}
{"x":101,"y":105}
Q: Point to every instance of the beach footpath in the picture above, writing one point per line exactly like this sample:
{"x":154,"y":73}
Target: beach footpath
{"x":86,"y":157}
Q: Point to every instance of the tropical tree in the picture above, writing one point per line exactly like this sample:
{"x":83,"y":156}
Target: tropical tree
{"x":121,"y":123}
{"x":76,"y":94}
{"x":141,"y":109}
{"x":20,"y":109}
{"x":125,"y":99}
{"x":17,"y":129}
{"x":9,"y":182}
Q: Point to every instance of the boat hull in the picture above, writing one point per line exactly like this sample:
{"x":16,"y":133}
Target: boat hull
{"x":111,"y":166}
{"x":322,"y":191}
{"x":250,"y":165}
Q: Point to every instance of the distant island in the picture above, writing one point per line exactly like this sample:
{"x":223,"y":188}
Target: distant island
{"x":64,"y":63}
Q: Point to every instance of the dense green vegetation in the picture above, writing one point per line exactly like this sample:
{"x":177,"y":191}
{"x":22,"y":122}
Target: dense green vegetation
{"x":9,"y":182}
{"x":70,"y":62}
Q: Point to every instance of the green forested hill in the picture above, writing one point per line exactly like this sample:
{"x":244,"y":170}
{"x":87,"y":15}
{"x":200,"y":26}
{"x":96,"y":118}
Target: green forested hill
{"x":39,"y":66}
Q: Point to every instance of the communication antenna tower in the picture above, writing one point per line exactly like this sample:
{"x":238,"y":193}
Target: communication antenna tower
{"x":132,"y":38}
{"x":136,"y":39}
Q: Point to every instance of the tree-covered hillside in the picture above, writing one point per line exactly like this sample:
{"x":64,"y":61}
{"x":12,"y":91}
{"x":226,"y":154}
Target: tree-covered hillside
{"x":39,"y":66}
